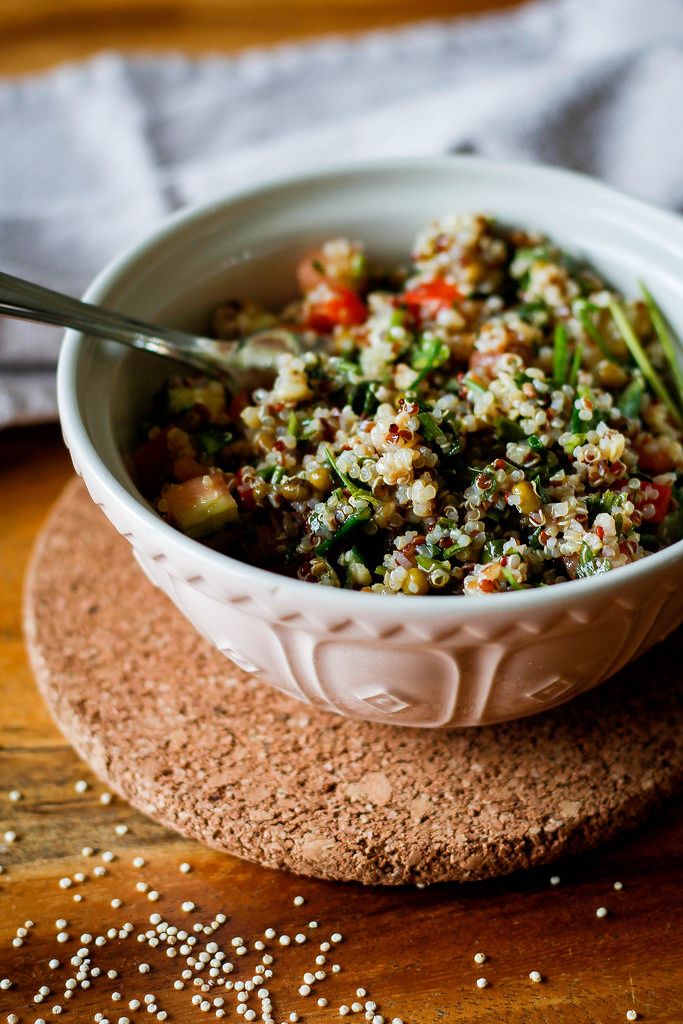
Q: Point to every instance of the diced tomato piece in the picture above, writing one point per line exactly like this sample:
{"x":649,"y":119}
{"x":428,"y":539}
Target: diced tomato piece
{"x":339,"y":264}
{"x":339,"y":307}
{"x":653,"y":458}
{"x":661,"y":503}
{"x":186,"y":467}
{"x":239,"y":401}
{"x":245,"y":489}
{"x":311,"y":271}
{"x":484,"y":363}
{"x":150,"y":464}
{"x":431,"y":296}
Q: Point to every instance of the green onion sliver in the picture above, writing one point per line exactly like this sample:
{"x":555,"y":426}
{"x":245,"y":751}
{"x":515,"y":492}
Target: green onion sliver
{"x":664,"y":335}
{"x":560,"y":355}
{"x":355,"y":489}
{"x":641,"y":358}
{"x":583,"y":310}
{"x":576,"y":365}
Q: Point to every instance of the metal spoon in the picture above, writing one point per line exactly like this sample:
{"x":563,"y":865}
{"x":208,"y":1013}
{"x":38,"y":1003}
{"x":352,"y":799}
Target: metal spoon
{"x":258,"y":351}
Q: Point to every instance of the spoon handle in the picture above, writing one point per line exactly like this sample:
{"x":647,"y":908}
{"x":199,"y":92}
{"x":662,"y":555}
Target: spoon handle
{"x":27,"y":301}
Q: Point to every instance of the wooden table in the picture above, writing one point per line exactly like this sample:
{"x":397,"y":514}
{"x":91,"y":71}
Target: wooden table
{"x":411,"y":949}
{"x":37,"y":33}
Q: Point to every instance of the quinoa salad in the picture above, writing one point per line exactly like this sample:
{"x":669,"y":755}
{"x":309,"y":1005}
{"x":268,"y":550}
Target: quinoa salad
{"x":490,"y":416}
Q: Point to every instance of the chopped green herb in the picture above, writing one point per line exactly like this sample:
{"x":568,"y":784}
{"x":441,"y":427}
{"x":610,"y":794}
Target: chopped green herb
{"x":355,"y":489}
{"x":363,"y":397}
{"x":666,"y":339}
{"x":631,"y":398}
{"x":352,"y":560}
{"x":212,"y":440}
{"x":589,"y":565}
{"x":454,"y":549}
{"x":641,"y":359}
{"x":577,"y":424}
{"x":508,"y":430}
{"x":670,"y":529}
{"x":472,"y":384}
{"x":429,"y":354}
{"x":427,"y":563}
{"x":509,"y":576}
{"x":293,"y":424}
{"x":492,"y":550}
{"x":450,"y":444}
{"x":531,"y":312}
{"x":348,"y":526}
{"x":534,"y":254}
{"x":358,"y":265}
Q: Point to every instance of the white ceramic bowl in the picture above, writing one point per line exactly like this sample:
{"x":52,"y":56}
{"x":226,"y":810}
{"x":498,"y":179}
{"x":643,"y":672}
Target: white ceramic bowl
{"x":417,"y":661}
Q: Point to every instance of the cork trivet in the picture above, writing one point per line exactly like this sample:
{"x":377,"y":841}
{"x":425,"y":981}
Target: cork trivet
{"x":195,"y":743}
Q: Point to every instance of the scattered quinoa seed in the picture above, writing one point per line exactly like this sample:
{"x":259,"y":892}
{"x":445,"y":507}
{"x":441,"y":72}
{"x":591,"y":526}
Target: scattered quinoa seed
{"x":534,"y":976}
{"x":482,"y":983}
{"x":601,"y":912}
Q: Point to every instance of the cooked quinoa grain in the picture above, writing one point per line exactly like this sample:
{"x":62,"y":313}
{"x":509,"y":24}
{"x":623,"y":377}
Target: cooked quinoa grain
{"x":493,"y":418}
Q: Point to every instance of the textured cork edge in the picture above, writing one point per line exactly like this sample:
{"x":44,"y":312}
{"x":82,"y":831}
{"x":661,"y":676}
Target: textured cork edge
{"x":195,"y":743}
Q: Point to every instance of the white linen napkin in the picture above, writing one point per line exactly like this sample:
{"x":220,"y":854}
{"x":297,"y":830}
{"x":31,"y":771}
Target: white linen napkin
{"x":93,"y":155}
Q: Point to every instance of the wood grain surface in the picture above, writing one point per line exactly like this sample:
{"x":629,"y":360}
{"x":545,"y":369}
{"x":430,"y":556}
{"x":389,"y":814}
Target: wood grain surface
{"x":411,"y":949}
{"x":37,"y":33}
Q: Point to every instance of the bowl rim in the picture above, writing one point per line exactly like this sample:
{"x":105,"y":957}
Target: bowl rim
{"x":114,"y":275}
